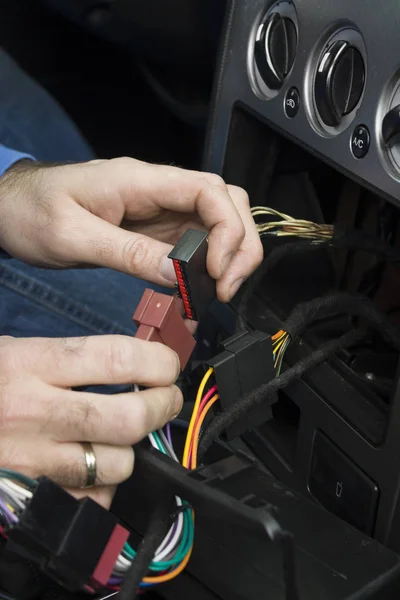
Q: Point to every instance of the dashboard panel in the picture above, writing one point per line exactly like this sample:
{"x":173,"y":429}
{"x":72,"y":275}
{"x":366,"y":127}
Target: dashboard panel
{"x":325,"y":74}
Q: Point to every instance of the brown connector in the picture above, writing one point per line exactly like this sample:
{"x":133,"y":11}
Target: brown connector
{"x":160,"y":318}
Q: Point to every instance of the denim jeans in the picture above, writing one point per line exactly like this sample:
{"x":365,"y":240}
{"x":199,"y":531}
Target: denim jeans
{"x":46,"y":302}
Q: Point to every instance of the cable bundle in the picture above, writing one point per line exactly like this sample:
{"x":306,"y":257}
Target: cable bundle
{"x":16,"y":490}
{"x":288,"y":226}
{"x":281,"y":341}
{"x":173,"y":555}
{"x":294,"y":327}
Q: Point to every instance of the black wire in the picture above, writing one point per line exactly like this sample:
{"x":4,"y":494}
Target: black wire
{"x":342,"y":302}
{"x":265,"y":392}
{"x":350,"y":239}
{"x":156,"y":531}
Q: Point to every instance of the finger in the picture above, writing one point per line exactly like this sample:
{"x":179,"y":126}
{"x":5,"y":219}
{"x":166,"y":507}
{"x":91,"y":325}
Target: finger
{"x":94,"y":360}
{"x":144,"y":189}
{"x":204,"y":194}
{"x":102,"y":495}
{"x":92,"y":240}
{"x":66,"y":464}
{"x":121,"y":419}
{"x":249,"y":255}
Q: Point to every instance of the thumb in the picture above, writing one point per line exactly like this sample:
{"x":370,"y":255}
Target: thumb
{"x":93,"y":241}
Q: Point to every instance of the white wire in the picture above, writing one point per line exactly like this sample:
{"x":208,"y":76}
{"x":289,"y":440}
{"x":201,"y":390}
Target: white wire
{"x":13,"y":497}
{"x":166,"y":548}
{"x":22,"y":492}
{"x":162,"y":552}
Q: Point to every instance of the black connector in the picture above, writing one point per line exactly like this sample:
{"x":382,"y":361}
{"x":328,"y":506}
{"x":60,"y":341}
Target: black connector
{"x":245,"y":363}
{"x":196,"y":288}
{"x":76,"y":543}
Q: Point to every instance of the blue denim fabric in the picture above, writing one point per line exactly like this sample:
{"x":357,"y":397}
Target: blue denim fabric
{"x":31,"y":121}
{"x":54,"y":303}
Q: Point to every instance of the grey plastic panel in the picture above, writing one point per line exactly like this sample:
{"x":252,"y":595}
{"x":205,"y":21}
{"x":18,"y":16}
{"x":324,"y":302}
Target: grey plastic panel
{"x":378,"y":22}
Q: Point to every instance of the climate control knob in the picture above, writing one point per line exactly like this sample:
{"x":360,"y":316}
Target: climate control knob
{"x":339,"y":82}
{"x":391,"y":127}
{"x":275,"y":49}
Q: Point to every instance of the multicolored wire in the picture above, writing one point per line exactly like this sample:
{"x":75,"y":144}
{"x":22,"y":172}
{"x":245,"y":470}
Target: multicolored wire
{"x":16,"y":490}
{"x":289,"y":226}
{"x":280,"y":343}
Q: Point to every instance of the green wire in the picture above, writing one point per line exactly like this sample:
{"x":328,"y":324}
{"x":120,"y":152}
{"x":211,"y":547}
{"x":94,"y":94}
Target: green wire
{"x":184,"y":547}
{"x":187,"y":536}
{"x":15,"y":476}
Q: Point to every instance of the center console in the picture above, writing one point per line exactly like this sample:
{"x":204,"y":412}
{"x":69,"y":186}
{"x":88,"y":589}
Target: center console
{"x":306,"y":117}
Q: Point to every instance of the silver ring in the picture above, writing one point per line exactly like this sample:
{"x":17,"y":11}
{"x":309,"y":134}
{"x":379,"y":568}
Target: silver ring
{"x":91,"y":464}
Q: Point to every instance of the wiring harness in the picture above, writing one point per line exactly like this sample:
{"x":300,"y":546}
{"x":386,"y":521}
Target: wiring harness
{"x":167,"y":546}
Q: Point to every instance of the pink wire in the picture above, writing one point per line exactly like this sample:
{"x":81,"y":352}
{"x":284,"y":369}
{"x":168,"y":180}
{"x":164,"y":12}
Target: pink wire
{"x":203,"y":403}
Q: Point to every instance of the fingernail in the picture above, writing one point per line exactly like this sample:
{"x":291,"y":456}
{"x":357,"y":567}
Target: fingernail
{"x":167,"y":270}
{"x":235,"y":287}
{"x":177,"y":403}
{"x":225,"y":262}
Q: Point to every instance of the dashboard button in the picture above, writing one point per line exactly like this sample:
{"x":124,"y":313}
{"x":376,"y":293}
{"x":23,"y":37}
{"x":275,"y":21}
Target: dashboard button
{"x":360,"y":141}
{"x":292,"y":102}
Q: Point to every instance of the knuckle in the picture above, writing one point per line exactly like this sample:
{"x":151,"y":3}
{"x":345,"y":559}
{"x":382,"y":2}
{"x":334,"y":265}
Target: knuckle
{"x":80,"y":418}
{"x":136,"y":252}
{"x":258,"y":254}
{"x":237,"y":230}
{"x":239,"y":195}
{"x":136,"y":420}
{"x":168,"y":362}
{"x":121,"y":357}
{"x":215,"y":180}
{"x":122,"y":161}
{"x":124,"y":468}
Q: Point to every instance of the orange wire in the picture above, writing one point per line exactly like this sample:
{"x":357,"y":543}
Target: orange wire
{"x":172,"y":574}
{"x":196,"y":433}
{"x":277,"y":335}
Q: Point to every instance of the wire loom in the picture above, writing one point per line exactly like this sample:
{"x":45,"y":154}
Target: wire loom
{"x":301,"y":317}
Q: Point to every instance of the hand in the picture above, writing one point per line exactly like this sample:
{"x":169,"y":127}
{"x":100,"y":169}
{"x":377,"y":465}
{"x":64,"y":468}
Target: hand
{"x":125,"y":214}
{"x":42,"y":420}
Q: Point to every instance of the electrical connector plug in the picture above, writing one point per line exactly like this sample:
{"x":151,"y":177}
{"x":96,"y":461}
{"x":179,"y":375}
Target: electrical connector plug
{"x":75,"y":542}
{"x":245,"y":363}
{"x":160,"y":318}
{"x":196,"y":288}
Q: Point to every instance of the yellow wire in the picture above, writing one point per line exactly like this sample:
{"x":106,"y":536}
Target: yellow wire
{"x":194,"y":415}
{"x":196,"y":434}
{"x":172,"y":574}
{"x":280,"y":343}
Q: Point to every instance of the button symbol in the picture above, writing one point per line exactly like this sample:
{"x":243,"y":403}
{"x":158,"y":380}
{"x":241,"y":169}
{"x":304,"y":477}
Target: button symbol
{"x":360,"y":141}
{"x":339,"y":489}
{"x":292,"y":102}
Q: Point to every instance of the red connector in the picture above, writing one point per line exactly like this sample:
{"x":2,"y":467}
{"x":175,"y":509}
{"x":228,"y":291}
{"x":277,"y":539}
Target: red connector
{"x":106,"y":564}
{"x":160,"y":318}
